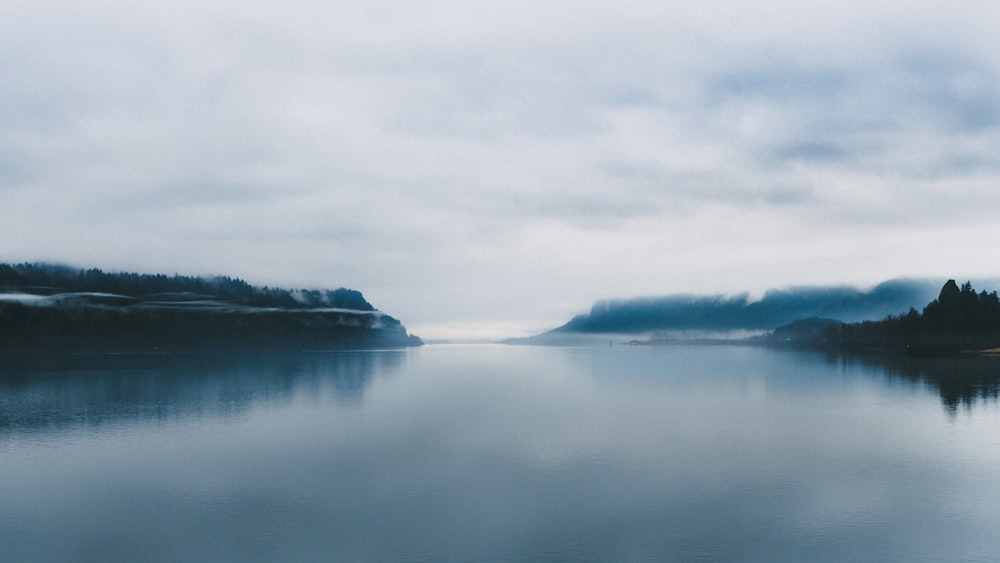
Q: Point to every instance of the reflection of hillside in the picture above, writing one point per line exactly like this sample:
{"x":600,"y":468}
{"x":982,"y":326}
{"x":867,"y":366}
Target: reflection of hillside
{"x":961,"y":380}
{"x":45,"y":392}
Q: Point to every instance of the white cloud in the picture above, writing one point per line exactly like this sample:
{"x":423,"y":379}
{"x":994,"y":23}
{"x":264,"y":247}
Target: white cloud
{"x":490,"y":163}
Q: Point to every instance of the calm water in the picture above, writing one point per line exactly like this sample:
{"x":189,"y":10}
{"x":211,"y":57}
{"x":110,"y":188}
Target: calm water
{"x":499,"y":453}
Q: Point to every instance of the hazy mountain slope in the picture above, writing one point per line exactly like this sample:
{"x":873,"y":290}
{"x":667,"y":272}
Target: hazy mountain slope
{"x":775,"y":308}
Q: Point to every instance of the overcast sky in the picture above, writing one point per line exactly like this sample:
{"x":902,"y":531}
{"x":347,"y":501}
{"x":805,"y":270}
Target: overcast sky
{"x":492,"y":168}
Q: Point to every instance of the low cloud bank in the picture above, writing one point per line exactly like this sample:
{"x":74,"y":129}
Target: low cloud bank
{"x":729,"y":313}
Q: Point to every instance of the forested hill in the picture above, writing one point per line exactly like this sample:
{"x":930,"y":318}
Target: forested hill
{"x":45,"y":306}
{"x":48,"y":279}
{"x":959,"y":319}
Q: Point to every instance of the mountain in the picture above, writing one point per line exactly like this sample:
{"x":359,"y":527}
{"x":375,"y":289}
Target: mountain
{"x":720,"y":313}
{"x":45,"y":306}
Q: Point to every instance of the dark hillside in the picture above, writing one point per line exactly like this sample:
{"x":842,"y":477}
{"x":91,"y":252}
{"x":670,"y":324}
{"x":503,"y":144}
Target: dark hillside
{"x":55,"y":307}
{"x":959,"y":319}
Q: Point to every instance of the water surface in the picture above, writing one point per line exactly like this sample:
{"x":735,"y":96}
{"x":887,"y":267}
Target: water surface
{"x":499,"y":453}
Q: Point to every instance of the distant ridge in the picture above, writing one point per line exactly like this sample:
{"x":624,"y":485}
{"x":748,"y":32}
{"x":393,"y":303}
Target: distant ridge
{"x":719,"y":313}
{"x":47,"y":306}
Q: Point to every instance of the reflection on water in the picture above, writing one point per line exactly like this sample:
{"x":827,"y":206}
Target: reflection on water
{"x":56,"y":391}
{"x":960,"y":380}
{"x":499,"y":453}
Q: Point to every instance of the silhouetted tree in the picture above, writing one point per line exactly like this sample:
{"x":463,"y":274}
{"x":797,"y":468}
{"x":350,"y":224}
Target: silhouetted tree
{"x":958,"y":319}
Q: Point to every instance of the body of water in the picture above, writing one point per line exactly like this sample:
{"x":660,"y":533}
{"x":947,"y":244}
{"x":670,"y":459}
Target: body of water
{"x":496,"y":453}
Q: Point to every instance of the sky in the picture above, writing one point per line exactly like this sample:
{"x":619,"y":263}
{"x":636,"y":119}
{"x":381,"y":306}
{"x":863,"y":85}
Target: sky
{"x":490,"y":169}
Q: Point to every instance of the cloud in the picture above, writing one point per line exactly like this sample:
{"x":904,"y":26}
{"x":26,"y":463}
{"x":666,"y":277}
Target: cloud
{"x":411,"y":150}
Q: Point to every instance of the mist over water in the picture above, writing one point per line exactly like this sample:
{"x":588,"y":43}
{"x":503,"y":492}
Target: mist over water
{"x":486,"y":452}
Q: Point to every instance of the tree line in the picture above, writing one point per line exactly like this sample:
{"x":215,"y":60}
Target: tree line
{"x":959,"y":319}
{"x":156,"y":311}
{"x":48,"y":279}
